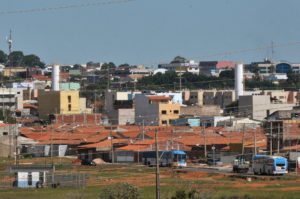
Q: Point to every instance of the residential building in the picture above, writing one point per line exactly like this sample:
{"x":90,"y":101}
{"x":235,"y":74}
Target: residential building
{"x":119,"y":107}
{"x":58,"y":102}
{"x":258,"y":107}
{"x":209,"y":97}
{"x":11,"y":99}
{"x":190,"y":66}
{"x":214,"y":68}
{"x":14,"y":71}
{"x":155,"y":110}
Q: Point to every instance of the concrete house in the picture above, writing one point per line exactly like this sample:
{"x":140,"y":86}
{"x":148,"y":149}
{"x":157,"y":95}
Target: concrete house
{"x":155,"y":110}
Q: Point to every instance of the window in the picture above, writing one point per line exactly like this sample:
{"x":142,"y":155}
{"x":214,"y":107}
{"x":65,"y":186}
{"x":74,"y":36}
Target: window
{"x":176,"y":112}
{"x":69,"y":107}
{"x":69,"y":98}
{"x":164,"y":122}
{"x":164,"y":112}
{"x":5,"y":133}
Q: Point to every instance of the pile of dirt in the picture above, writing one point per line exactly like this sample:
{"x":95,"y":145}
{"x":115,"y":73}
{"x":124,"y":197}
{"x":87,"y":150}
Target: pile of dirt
{"x":99,"y":161}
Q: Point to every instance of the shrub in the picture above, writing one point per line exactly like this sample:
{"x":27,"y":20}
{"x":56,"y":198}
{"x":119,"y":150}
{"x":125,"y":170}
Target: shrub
{"x":121,"y":190}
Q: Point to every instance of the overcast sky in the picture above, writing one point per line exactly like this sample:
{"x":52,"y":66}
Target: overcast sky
{"x":151,"y":31}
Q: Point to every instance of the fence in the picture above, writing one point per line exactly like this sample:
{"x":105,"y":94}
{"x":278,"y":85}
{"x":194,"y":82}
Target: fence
{"x":76,"y":180}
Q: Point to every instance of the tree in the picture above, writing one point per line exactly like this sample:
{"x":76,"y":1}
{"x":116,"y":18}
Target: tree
{"x":178,"y":59}
{"x":227,"y":74}
{"x":123,"y":65}
{"x":3,"y":57}
{"x":121,"y":190}
{"x":7,"y":116}
{"x":293,"y":78}
{"x":32,"y":61}
{"x":109,"y":65}
{"x":16,"y":58}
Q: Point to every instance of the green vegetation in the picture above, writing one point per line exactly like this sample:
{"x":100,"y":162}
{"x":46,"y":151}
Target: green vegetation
{"x":120,"y":190}
{"x":17,"y":59}
{"x":114,"y":180}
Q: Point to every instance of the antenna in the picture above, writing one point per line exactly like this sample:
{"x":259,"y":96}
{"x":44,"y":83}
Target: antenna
{"x":272,"y":48}
{"x":9,"y":41}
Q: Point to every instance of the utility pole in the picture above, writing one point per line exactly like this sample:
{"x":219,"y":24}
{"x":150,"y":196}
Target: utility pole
{"x":180,"y":79}
{"x":112,"y":146}
{"x":95,"y":111}
{"x":52,"y":144}
{"x":17,"y":151}
{"x":271,"y":140}
{"x":278,"y":139}
{"x":9,"y":41}
{"x":157,"y":167}
{"x":255,"y":142}
{"x":108,"y":79}
{"x":143,"y":131}
{"x":243,"y":140}
{"x":204,"y":133}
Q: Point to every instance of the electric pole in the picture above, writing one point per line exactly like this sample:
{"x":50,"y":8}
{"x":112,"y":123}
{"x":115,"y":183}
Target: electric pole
{"x":143,"y":132}
{"x":204,"y":133}
{"x":243,"y":140}
{"x":52,"y":144}
{"x":112,"y":146}
{"x":255,"y":142}
{"x":271,"y":140}
{"x":278,"y":139}
{"x":157,"y":167}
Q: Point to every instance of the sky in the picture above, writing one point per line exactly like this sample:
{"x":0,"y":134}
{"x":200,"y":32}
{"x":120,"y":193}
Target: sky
{"x":152,"y":31}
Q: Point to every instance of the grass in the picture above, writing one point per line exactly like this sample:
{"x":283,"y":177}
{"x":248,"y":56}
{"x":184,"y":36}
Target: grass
{"x":216,"y":186}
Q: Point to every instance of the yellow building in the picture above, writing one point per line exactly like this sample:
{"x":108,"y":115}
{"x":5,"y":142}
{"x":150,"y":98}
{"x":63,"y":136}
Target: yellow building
{"x":12,"y":71}
{"x":58,"y":102}
{"x":168,"y":112}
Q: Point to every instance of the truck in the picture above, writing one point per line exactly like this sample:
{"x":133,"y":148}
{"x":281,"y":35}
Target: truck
{"x":240,"y":165}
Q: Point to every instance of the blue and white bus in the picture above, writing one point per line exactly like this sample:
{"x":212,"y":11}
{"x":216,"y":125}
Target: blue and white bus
{"x":269,"y":164}
{"x":166,"y":158}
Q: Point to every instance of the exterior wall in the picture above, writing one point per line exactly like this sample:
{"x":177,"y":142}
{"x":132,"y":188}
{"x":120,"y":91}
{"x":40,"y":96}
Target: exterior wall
{"x":145,"y":110}
{"x":258,"y":107}
{"x":11,"y":98}
{"x":209,"y":97}
{"x":200,"y":110}
{"x":49,"y":103}
{"x":196,"y":97}
{"x":82,"y":106}
{"x":12,"y":71}
{"x":126,"y":116}
{"x":122,"y":95}
{"x":69,"y":106}
{"x":228,"y":98}
{"x":170,"y":113}
{"x":70,"y":86}
{"x":176,"y":97}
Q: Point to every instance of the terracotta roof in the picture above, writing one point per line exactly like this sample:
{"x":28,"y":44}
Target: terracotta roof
{"x":41,"y":77}
{"x":29,"y":106}
{"x":159,"y":98}
{"x":106,"y":144}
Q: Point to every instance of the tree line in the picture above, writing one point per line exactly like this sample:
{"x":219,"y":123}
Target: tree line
{"x":18,"y":59}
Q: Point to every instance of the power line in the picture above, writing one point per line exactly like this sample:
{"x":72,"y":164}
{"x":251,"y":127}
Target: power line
{"x":64,"y":7}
